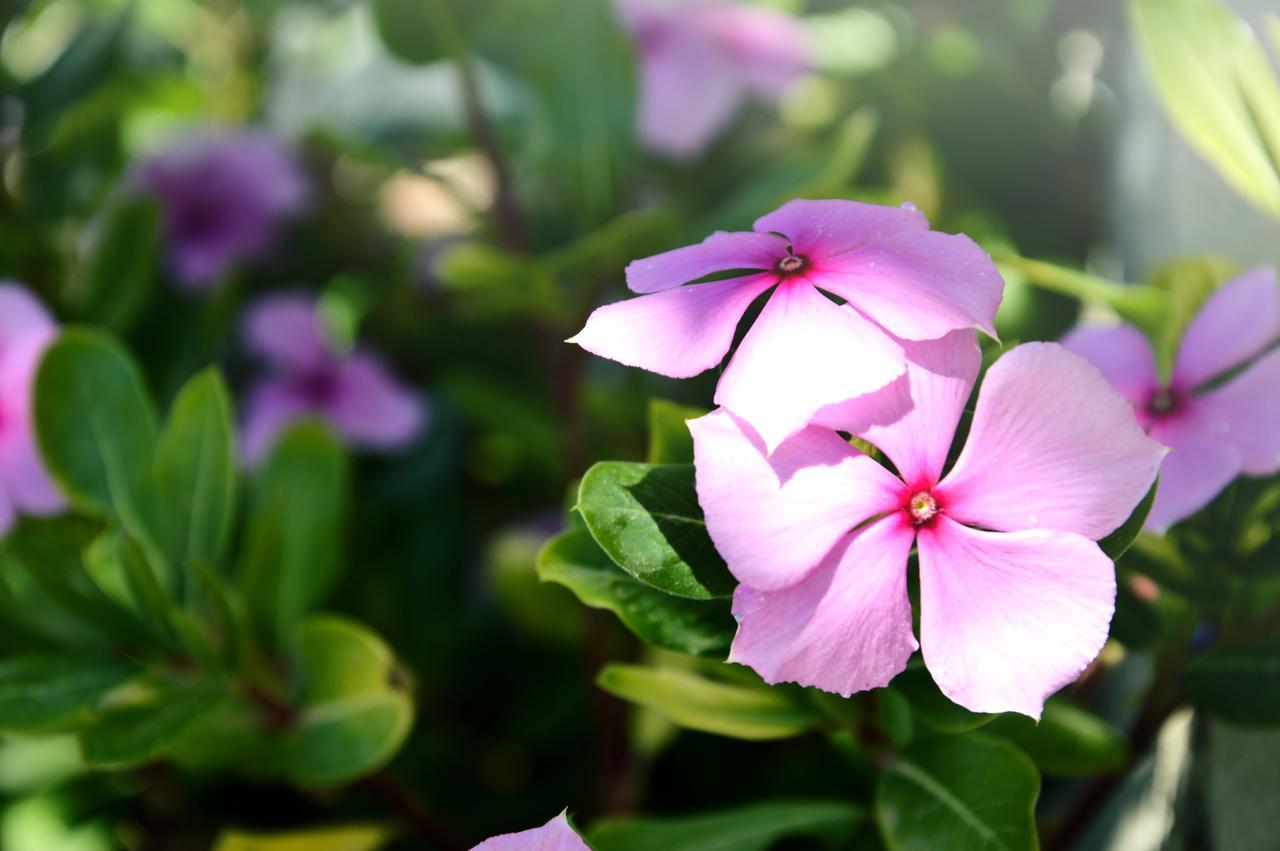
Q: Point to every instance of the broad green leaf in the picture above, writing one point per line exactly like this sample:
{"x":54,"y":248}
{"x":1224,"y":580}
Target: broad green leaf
{"x":346,"y":838}
{"x":931,"y":705}
{"x":740,"y":711}
{"x":195,"y":470}
{"x":142,"y":732}
{"x":670,"y":441}
{"x":647,"y":518}
{"x":1118,"y":542}
{"x":959,"y":792}
{"x":117,"y":272}
{"x":752,"y":828}
{"x":1240,"y":685}
{"x":700,"y":627}
{"x":412,"y":29}
{"x":291,"y":554}
{"x":43,"y":691}
{"x":117,"y":561}
{"x":1068,"y":741}
{"x":1218,"y":89}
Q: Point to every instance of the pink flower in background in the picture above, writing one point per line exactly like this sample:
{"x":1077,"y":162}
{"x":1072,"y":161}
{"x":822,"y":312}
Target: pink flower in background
{"x":700,"y":60}
{"x":223,"y":200}
{"x":1218,"y":433}
{"x":555,"y":835}
{"x":900,"y":281}
{"x":308,"y":376}
{"x":25,"y":330}
{"x":1015,"y":595}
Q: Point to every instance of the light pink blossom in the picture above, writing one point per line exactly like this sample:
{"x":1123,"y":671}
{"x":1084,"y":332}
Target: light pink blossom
{"x":700,"y":61}
{"x":1215,"y":433}
{"x":555,"y":835}
{"x":898,"y":279}
{"x":25,"y":331}
{"x":1015,"y":595}
{"x":308,"y":376}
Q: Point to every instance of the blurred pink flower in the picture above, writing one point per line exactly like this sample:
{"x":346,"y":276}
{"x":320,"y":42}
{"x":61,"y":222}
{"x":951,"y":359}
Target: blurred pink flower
{"x":805,"y":351}
{"x":701,"y":59}
{"x":1015,"y":595}
{"x":1216,"y":433}
{"x":555,"y":835}
{"x":25,"y":330}
{"x":223,"y":199}
{"x":308,"y":376}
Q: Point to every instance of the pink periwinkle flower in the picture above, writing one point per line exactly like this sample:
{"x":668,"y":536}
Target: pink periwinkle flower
{"x":1015,"y":595}
{"x":308,"y":376}
{"x":555,"y":835}
{"x":700,"y":61}
{"x":223,"y":199}
{"x":1215,"y":433}
{"x":25,"y":331}
{"x":899,"y":280}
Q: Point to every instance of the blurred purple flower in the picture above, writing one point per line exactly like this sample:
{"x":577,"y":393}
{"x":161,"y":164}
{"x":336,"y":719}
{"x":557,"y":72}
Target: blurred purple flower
{"x":701,"y":59}
{"x":309,"y":376}
{"x":223,"y":199}
{"x":1215,"y":432}
{"x":25,"y":330}
{"x":555,"y":835}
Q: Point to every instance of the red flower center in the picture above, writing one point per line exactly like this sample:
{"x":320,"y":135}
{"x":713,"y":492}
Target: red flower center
{"x":922,"y":507}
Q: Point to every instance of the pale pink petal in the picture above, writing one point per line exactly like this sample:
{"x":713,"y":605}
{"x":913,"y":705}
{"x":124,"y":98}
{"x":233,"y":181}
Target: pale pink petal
{"x":372,"y":408}
{"x":21,"y":316}
{"x":1246,"y":413}
{"x":920,"y":285}
{"x":1122,"y":355}
{"x":802,"y":354}
{"x":721,"y":252}
{"x":22,"y":474}
{"x":269,"y":406}
{"x":1196,"y":470}
{"x":1237,"y":322}
{"x":689,"y":89}
{"x":915,"y":425}
{"x":1008,"y":618}
{"x":1052,"y":446}
{"x":771,"y":48}
{"x":824,"y":228}
{"x":846,"y":627}
{"x":773,"y":518}
{"x":286,"y":331}
{"x":555,"y":835}
{"x":677,"y":333}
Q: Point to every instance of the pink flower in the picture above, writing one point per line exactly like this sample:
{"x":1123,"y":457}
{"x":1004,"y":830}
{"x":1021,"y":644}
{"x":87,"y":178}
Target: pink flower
{"x":701,"y":60}
{"x":309,"y":377}
{"x":804,"y":352}
{"x":1216,"y":433}
{"x":555,"y":835}
{"x":1015,"y":595}
{"x":25,"y":330}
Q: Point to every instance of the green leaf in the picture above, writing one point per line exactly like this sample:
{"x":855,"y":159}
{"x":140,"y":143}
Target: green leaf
{"x":346,"y":838}
{"x":1118,"y":542}
{"x":699,"y":627}
{"x":757,"y":827}
{"x":117,"y":272}
{"x":647,"y":518}
{"x":959,"y":792}
{"x":195,"y":470}
{"x":1240,"y":685}
{"x":1145,"y":306}
{"x":291,"y":554}
{"x":411,"y":29}
{"x":487,"y":283}
{"x":76,"y":73}
{"x":44,"y":691}
{"x":934,"y":707}
{"x":670,"y":441}
{"x":143,"y":732}
{"x":738,"y":710}
{"x":1068,"y":741}
{"x":356,"y":708}
{"x":1218,"y":89}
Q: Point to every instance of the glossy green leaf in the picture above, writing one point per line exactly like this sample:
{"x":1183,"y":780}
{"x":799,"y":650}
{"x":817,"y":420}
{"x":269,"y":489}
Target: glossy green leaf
{"x":1240,"y":685}
{"x":137,"y":733}
{"x":959,"y":792}
{"x":757,"y":827}
{"x":1118,"y":542}
{"x":737,"y":710}
{"x":195,"y":470}
{"x":670,"y":441}
{"x":699,"y":627}
{"x":44,"y":691}
{"x":1068,"y":741}
{"x":931,"y":705}
{"x":117,"y":271}
{"x":346,"y":838}
{"x":647,"y":518}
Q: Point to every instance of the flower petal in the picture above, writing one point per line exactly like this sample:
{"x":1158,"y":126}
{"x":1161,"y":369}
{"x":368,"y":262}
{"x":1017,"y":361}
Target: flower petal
{"x":822,"y":229}
{"x":555,"y":835}
{"x":1008,"y":618}
{"x":689,"y":89}
{"x":372,"y":407}
{"x":23,"y":477}
{"x":721,"y":252}
{"x":269,"y":406}
{"x":802,"y":354}
{"x":1052,"y":446}
{"x":1122,"y":355}
{"x":21,"y":316}
{"x":1237,"y":322}
{"x":678,"y":333}
{"x":285,"y":330}
{"x":773,"y":518}
{"x":1247,"y":411}
{"x":1197,"y":468}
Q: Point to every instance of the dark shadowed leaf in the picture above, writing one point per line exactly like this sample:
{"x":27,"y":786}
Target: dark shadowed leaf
{"x":43,"y":691}
{"x":1068,"y":741}
{"x":1240,"y":685}
{"x":1119,"y":541}
{"x":931,"y":705}
{"x":138,"y":733}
